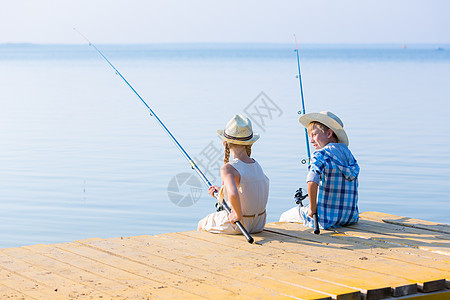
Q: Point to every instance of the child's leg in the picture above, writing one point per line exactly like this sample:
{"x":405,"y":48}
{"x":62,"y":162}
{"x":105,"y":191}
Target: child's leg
{"x":292,"y":215}
{"x":218,"y":223}
{"x":201,"y":223}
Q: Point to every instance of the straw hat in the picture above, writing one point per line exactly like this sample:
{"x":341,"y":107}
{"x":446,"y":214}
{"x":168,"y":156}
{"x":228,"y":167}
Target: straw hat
{"x":328,"y":119}
{"x":239,"y":131}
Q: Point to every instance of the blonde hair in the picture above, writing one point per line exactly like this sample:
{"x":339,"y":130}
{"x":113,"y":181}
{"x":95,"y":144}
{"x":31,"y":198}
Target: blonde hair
{"x":322,"y":127}
{"x":226,"y":159}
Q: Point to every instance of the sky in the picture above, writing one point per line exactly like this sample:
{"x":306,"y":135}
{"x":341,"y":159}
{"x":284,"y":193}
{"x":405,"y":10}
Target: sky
{"x":191,"y":21}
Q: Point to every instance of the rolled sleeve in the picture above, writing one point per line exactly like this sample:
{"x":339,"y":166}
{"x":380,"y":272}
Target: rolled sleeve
{"x":313,"y":176}
{"x":315,"y":169}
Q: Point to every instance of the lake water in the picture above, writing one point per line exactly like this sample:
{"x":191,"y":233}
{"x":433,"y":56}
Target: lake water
{"x":81,"y":157}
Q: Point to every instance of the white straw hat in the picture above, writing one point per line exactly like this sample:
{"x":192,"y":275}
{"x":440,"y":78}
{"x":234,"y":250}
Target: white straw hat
{"x":328,"y":119}
{"x":239,"y":131}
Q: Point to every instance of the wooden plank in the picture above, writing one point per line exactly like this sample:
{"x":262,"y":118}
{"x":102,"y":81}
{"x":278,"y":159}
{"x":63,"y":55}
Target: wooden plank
{"x":377,"y":258}
{"x":148,"y":286}
{"x":405,"y":254}
{"x":305,"y":282}
{"x":351,"y":238}
{"x":358,"y":239}
{"x":31,"y":288}
{"x":11,"y":282}
{"x":80,"y":276}
{"x":371,"y":284}
{"x":444,"y":295}
{"x":153,"y":286}
{"x":394,"y":250}
{"x":304,"y":264}
{"x":115,"y":246}
{"x":193,"y":282}
{"x":360,"y":231}
{"x":363,"y":237}
{"x":9,"y":293}
{"x":405,"y":221}
{"x":60,"y":286}
{"x":425,"y":241}
{"x":164,"y":257}
{"x":412,"y":233}
{"x":428,"y":279}
{"x":206,"y":259}
{"x":193,"y":256}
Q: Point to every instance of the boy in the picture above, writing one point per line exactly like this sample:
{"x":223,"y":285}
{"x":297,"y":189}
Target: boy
{"x":332,"y":179}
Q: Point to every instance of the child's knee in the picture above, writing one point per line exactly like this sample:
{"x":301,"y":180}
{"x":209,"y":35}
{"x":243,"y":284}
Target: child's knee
{"x":292,"y":215}
{"x":200,"y":224}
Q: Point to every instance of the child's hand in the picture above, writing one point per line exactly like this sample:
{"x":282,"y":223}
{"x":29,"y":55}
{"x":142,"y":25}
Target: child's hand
{"x":233,"y":217}
{"x":310,"y":212}
{"x":212,"y":189}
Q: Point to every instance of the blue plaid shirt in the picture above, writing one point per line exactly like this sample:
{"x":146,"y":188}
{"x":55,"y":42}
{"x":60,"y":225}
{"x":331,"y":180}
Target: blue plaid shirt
{"x":336,"y":171}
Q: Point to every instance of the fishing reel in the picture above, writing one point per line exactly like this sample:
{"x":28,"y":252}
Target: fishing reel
{"x":219,"y":206}
{"x":299,"y":197}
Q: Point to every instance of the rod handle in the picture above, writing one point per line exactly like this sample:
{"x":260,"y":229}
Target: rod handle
{"x":316,"y":224}
{"x":239,"y":224}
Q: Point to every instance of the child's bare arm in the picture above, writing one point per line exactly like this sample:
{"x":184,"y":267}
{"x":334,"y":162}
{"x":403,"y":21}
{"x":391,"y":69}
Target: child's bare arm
{"x":230,"y":176}
{"x":312,"y":192}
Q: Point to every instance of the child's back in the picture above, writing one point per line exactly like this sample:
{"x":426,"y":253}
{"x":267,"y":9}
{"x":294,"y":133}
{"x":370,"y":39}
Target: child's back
{"x":332,"y":175}
{"x":336,"y":171}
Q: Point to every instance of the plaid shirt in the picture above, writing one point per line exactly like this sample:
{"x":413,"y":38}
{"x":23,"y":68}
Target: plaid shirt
{"x":336,"y":171}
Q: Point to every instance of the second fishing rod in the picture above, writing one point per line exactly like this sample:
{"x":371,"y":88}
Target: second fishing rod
{"x":174,"y":140}
{"x":298,"y":196}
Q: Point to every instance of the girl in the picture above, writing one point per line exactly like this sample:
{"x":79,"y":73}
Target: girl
{"x":244,"y":183}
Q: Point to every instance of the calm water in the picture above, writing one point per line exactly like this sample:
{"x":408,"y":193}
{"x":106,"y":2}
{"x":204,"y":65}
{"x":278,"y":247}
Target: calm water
{"x":80,"y":156}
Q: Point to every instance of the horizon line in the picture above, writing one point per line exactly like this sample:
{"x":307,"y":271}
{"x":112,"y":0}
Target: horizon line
{"x":229,"y":43}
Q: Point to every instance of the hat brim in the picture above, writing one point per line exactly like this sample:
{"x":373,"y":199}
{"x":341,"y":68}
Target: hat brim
{"x":238,"y":142}
{"x":327,"y":121}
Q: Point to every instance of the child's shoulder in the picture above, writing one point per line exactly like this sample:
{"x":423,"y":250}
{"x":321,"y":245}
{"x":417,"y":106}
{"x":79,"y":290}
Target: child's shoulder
{"x":334,"y":148}
{"x":318,"y":156}
{"x":330,"y":151}
{"x":323,"y":151}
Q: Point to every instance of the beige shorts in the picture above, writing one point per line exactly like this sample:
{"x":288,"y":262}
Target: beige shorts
{"x":218,"y":223}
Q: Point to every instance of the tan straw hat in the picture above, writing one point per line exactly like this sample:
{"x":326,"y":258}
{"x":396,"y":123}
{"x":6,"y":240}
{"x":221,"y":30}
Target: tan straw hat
{"x":328,"y":119}
{"x":239,"y":131}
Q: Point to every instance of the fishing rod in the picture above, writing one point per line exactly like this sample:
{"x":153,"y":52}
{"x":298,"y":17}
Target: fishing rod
{"x":299,"y":76}
{"x":174,"y":140}
{"x":298,"y":194}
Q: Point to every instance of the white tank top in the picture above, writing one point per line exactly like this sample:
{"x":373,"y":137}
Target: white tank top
{"x":253,"y":187}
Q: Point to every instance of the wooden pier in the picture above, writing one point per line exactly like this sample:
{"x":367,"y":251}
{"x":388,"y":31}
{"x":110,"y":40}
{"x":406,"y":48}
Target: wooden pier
{"x":383,"y":256}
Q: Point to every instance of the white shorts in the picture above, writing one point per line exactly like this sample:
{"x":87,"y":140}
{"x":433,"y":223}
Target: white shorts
{"x":293,"y":215}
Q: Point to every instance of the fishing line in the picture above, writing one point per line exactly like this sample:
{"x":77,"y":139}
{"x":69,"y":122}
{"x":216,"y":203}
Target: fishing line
{"x":177,"y":144}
